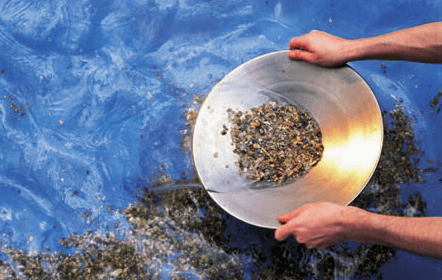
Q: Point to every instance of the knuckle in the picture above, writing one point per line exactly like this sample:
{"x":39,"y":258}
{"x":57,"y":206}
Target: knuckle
{"x":300,"y":239}
{"x":315,"y":32}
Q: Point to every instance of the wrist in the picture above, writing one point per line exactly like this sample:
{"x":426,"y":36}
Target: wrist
{"x":356,"y":223}
{"x":359,"y":49}
{"x":367,"y":227}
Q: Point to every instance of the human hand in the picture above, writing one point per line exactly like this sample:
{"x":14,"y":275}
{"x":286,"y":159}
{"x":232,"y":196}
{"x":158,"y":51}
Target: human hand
{"x":317,"y":225}
{"x":319,"y":48}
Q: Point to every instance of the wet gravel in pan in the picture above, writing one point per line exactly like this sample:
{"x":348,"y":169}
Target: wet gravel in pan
{"x":275,"y":143}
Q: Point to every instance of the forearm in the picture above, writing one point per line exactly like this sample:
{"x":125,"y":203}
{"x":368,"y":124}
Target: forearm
{"x":417,"y":235}
{"x":421,"y":44}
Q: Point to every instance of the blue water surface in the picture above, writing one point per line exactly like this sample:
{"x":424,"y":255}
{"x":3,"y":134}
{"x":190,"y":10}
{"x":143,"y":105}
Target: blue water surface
{"x":93,"y":96}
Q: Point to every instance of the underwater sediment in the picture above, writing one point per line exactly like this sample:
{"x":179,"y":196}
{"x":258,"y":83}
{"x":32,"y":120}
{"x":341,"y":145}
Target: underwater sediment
{"x":184,"y":234}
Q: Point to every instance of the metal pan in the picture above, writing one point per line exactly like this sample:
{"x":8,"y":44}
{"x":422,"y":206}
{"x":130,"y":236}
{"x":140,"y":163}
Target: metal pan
{"x":340,"y":101}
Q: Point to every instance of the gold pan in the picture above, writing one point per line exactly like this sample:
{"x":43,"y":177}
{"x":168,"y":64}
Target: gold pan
{"x":339,"y":100}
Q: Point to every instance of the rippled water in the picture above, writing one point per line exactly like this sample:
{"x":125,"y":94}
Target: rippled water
{"x":95,"y":95}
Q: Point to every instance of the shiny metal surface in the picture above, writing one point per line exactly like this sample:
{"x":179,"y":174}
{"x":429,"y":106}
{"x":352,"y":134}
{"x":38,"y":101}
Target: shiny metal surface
{"x":340,"y":101}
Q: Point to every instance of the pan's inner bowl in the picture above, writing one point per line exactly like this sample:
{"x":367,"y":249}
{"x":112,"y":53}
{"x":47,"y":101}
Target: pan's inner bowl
{"x":338,"y":99}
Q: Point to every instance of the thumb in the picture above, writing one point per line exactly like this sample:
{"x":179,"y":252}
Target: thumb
{"x":299,"y":43}
{"x":282,"y":232}
{"x":286,"y":217}
{"x":298,"y":54}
